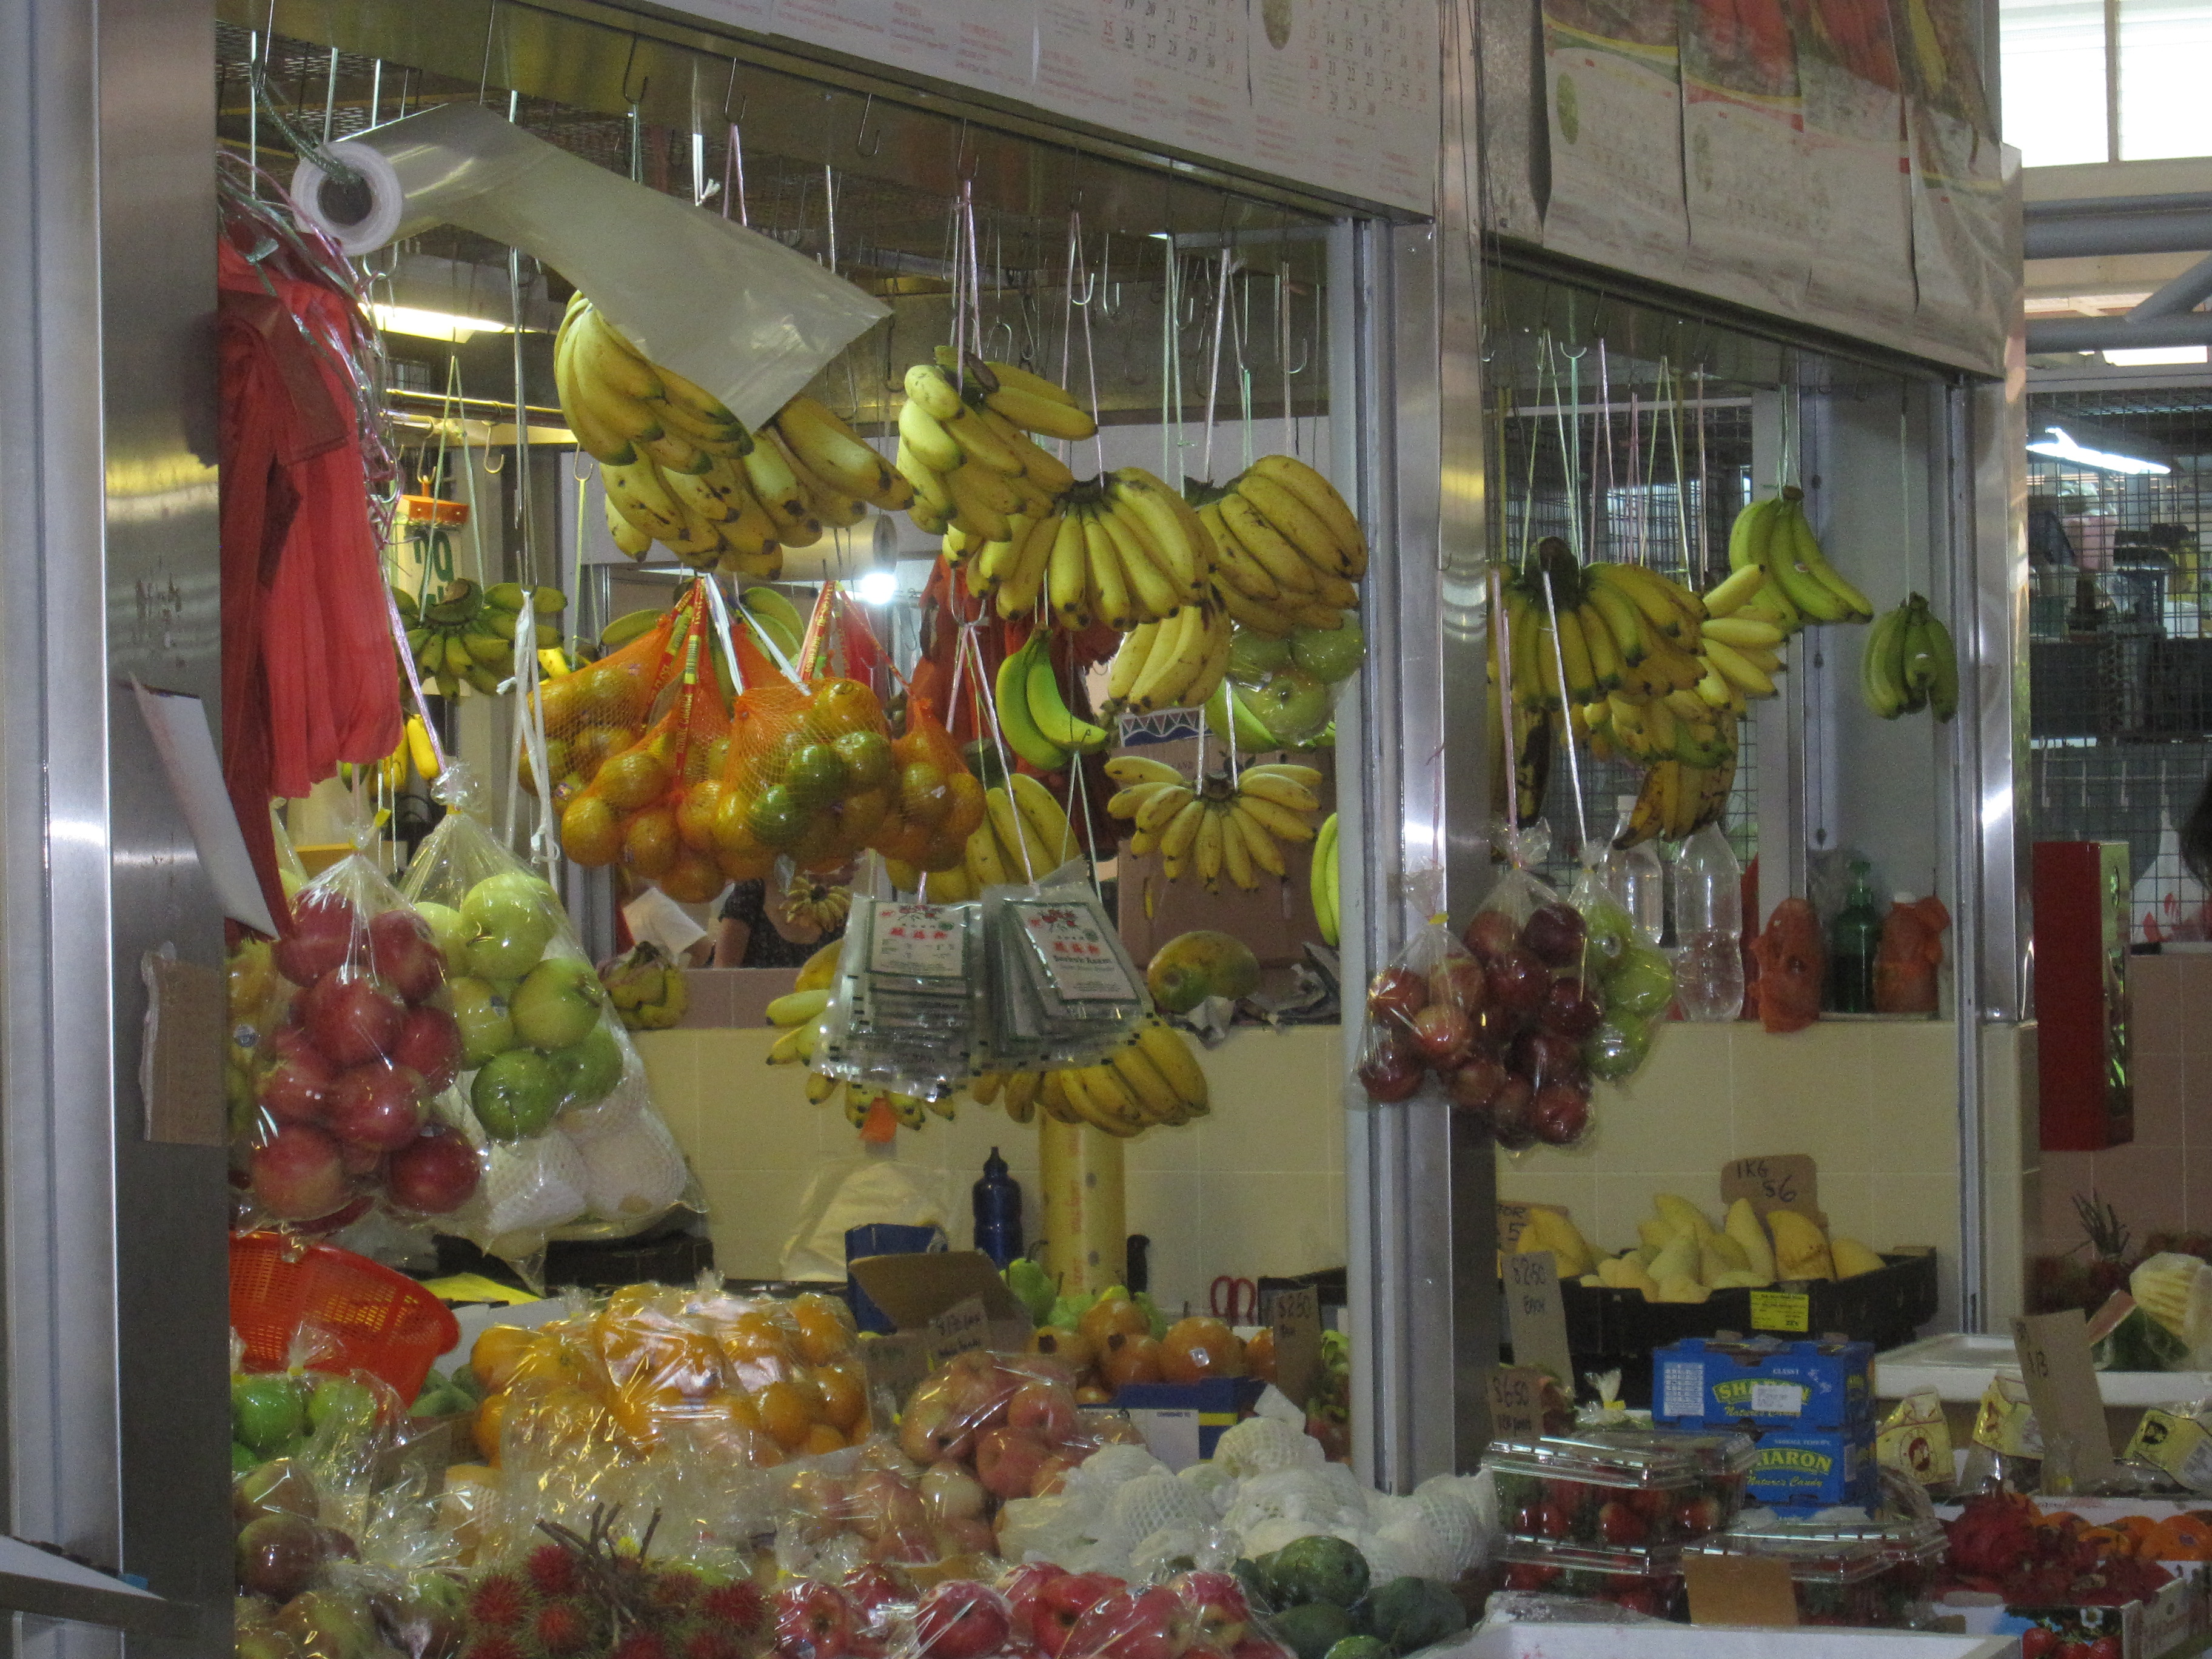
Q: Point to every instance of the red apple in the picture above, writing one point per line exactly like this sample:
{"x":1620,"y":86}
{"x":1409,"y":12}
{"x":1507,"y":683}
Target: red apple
{"x":951,"y":1492}
{"x":1392,"y":1068}
{"x":429,"y":1042}
{"x":318,"y":940}
{"x":1048,"y":1613}
{"x":1153,"y":1624}
{"x":1443,"y":1035}
{"x":1560,"y":1113}
{"x":1046,"y":1409}
{"x":1396,"y":995}
{"x":404,"y":953}
{"x":298,"y":1173}
{"x":971,"y":1536}
{"x":1491,"y":935}
{"x":1219,"y":1602}
{"x":434,"y":1174}
{"x":1512,"y":1112}
{"x":1570,"y":1010}
{"x":1051,"y":1477}
{"x":961,"y":1621}
{"x":1545,"y":1057}
{"x":813,"y":1620}
{"x":927,"y":1429}
{"x":376,"y":1106}
{"x":883,"y":1503}
{"x":351,"y":1017}
{"x":1519,"y":982}
{"x":979,"y":1390}
{"x":870,"y":1591}
{"x":1460,"y":982}
{"x":1555,"y":933}
{"x":294,"y":1090}
{"x":1008,"y":1460}
{"x":1496,"y":1027}
{"x":362,"y":1162}
{"x":1474,"y":1082}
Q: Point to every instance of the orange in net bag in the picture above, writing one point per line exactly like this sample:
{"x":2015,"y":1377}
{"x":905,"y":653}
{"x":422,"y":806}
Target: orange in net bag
{"x":940,"y":803}
{"x":597,"y":712}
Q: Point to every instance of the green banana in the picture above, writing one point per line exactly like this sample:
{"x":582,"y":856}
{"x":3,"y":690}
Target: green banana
{"x":1048,"y":712}
{"x":1800,"y":545}
{"x":1321,"y":881}
{"x":1228,"y":715}
{"x":1014,"y":719}
{"x":1882,"y":666}
{"x":1943,"y":680}
{"x":1787,"y":571}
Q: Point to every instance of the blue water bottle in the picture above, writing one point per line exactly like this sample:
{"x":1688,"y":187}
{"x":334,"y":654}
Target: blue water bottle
{"x":998,"y":1212}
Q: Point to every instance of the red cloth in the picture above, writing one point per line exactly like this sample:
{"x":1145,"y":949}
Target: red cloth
{"x":309,"y":674}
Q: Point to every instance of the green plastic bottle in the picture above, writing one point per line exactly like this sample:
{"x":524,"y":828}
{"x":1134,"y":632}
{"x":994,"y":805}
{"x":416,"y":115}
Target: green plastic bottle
{"x":1853,"y":940}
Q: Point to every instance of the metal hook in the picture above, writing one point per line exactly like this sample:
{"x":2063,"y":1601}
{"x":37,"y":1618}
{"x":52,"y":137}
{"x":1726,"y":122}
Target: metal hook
{"x":628,"y":64}
{"x":859,"y":148}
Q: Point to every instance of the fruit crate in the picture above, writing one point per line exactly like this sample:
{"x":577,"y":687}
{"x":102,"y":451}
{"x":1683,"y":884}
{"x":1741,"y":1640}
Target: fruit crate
{"x":1618,"y":1330}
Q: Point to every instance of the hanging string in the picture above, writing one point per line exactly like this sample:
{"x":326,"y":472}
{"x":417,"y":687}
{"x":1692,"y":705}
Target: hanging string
{"x":1213,"y":361}
{"x":1567,"y":723}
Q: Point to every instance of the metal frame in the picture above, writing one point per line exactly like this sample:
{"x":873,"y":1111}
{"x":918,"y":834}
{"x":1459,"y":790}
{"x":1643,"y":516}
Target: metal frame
{"x":112,"y":1251}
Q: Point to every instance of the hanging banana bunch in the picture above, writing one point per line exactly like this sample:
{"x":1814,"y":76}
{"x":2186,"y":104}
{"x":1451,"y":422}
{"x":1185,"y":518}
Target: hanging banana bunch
{"x":1909,"y":664}
{"x":1219,"y":826}
{"x":465,"y":638}
{"x":1289,"y":549}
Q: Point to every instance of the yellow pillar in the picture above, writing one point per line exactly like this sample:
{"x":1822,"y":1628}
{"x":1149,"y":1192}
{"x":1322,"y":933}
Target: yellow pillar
{"x":1086,"y":1218}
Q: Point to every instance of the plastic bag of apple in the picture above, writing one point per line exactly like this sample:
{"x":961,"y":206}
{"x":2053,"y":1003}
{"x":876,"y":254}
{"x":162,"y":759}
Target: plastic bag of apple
{"x":1512,"y":1022}
{"x":342,"y":1042}
{"x":556,"y":1093}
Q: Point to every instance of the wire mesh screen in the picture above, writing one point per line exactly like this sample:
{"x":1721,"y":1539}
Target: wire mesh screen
{"x":2120,"y":669}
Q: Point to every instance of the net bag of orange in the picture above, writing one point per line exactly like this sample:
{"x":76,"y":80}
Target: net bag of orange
{"x":810,"y":776}
{"x":939,"y":804}
{"x":598,"y":712}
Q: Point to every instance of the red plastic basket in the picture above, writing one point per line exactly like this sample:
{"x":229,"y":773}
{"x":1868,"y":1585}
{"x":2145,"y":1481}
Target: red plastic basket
{"x":379,"y":1321}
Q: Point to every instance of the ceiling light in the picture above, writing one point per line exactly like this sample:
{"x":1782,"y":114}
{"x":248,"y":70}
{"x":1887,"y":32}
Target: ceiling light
{"x":2146,"y":356}
{"x":434,"y":325}
{"x":2107,"y":451}
{"x":877,"y":587}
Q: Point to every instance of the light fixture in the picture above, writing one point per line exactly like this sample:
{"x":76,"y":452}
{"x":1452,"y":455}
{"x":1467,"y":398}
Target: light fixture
{"x":2150,"y":356}
{"x":877,"y":587}
{"x":2096,"y":447}
{"x":434,"y":325}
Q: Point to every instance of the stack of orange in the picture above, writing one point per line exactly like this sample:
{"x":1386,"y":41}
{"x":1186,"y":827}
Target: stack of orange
{"x":652,"y":1370}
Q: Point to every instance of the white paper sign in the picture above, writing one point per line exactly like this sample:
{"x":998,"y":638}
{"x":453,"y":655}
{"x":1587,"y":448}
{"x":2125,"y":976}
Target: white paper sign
{"x":180,"y":729}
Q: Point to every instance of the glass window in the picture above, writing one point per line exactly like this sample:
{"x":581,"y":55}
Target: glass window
{"x":2053,"y":62}
{"x":2165,"y":46}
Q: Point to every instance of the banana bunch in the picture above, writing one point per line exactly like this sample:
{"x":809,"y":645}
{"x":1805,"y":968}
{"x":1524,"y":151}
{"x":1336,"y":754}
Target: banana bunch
{"x":799,"y":1013}
{"x":1678,"y":800}
{"x":1025,"y":836}
{"x":1800,"y":587}
{"x":1219,"y":826}
{"x":647,"y":989}
{"x":1909,"y":664}
{"x":414,"y":749}
{"x":1151,"y":1080}
{"x":1175,"y":664}
{"x":1681,"y":725}
{"x":1322,"y":879}
{"x":1033,"y":715}
{"x":822,"y":905}
{"x":859,"y":1100}
{"x":965,"y":451}
{"x":465,"y":636}
{"x":680,"y":468}
{"x":1622,"y":628}
{"x":1289,"y":549}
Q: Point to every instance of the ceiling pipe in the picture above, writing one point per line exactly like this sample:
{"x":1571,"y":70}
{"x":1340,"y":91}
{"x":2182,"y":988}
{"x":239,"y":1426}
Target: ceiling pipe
{"x":2179,"y":297}
{"x":2089,"y":226}
{"x":2117,"y":333}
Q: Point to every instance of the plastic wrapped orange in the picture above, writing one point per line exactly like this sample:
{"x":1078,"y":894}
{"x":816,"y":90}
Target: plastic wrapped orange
{"x":809,"y":775}
{"x":939,"y":802}
{"x":596,"y":712}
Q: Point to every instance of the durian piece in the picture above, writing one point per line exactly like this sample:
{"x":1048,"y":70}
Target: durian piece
{"x":1852,"y":1258}
{"x":1681,"y":1290}
{"x":1547,"y":1229}
{"x":1744,"y":1227}
{"x":1718,"y":1254}
{"x":1801,"y":1250}
{"x":1684,"y":1215}
{"x":1678,"y":1260}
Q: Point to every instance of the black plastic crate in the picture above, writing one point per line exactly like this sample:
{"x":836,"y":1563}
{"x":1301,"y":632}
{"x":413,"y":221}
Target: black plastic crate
{"x":1617,"y":1330}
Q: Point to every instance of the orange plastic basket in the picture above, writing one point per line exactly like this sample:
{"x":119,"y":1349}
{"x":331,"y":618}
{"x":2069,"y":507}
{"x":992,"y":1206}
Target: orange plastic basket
{"x":379,"y":1321}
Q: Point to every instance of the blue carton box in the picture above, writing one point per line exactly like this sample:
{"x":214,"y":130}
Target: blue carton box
{"x":1765,"y":1382}
{"x":1183,"y":1422}
{"x":1813,"y":1468}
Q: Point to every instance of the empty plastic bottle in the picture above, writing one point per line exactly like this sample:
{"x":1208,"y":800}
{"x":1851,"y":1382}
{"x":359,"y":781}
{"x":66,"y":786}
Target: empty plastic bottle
{"x":1636,"y":879}
{"x":1709,"y":928}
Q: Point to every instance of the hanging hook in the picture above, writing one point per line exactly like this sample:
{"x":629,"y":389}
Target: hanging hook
{"x":484,"y":70}
{"x":629,"y":63}
{"x":858,"y":147}
{"x":964,"y":161}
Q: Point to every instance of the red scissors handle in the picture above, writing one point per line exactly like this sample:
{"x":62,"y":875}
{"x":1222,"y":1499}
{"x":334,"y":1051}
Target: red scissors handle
{"x":1236,"y":1301}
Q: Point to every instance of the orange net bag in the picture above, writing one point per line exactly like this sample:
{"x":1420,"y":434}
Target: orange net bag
{"x":602,"y":708}
{"x":939,"y":804}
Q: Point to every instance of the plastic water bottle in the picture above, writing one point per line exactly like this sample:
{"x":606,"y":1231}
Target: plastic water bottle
{"x":1709,"y":928}
{"x":1636,"y":879}
{"x":998,"y":1207}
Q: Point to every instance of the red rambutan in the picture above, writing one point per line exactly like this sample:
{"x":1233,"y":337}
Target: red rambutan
{"x":711,"y":1641}
{"x":498,"y":1602}
{"x":738,"y":1604}
{"x":552,"y":1569}
{"x":675,"y":1588}
{"x":562,"y":1627}
{"x":641,"y":1644}
{"x":493,"y":1646}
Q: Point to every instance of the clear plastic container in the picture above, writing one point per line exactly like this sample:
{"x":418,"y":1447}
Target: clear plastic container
{"x":1709,"y":928}
{"x":1636,"y":877}
{"x":1878,"y":1575}
{"x":1645,"y":1581}
{"x":1624,"y":1488}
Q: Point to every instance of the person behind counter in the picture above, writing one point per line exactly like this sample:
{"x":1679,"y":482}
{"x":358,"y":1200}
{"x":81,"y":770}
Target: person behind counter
{"x":753,"y":930}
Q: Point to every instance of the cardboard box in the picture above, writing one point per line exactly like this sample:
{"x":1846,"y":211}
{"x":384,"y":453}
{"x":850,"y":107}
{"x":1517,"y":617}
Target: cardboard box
{"x":1814,"y":1468}
{"x":1769,"y":1382}
{"x":943,"y":1303}
{"x":1183,"y":1422}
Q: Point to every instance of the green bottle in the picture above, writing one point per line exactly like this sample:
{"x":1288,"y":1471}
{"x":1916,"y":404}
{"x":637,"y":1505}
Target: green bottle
{"x":1853,"y":939}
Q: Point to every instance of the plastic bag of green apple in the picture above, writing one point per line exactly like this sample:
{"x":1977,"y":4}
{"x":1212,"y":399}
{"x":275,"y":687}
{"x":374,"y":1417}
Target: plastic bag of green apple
{"x":1632,"y":983}
{"x":556,"y":1094}
{"x":1281,"y":692}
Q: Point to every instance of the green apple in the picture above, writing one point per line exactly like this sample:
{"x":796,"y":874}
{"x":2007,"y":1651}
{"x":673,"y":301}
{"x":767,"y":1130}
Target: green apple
{"x":266,"y":1411}
{"x":515,"y":1095}
{"x":590,"y":1069}
{"x":507,"y":956}
{"x":330,"y":1625}
{"x":1642,"y":984}
{"x":341,"y":1405}
{"x":557,"y":1003}
{"x":1253,"y":657}
{"x":1329,"y":655}
{"x":1292,"y":705}
{"x":451,"y":931}
{"x":487,"y":1026}
{"x":514,"y":916}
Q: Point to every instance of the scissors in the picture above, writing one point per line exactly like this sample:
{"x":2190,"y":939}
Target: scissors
{"x":1234,"y":1301}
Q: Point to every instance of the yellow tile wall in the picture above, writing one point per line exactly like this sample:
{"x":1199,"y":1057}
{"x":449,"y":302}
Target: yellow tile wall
{"x":1876,"y":1105}
{"x":1255,"y":1188}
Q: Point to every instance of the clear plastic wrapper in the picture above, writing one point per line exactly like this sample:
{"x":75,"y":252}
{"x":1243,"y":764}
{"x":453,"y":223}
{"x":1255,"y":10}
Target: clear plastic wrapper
{"x":556,"y":1092}
{"x":1878,"y":1575}
{"x":907,"y":1004}
{"x":1624,"y":1488}
{"x":1061,"y":989}
{"x":1643,"y":1582}
{"x":1424,"y":1021}
{"x":343,"y":1039}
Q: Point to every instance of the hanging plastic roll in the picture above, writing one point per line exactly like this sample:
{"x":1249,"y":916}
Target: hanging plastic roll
{"x":744,"y":317}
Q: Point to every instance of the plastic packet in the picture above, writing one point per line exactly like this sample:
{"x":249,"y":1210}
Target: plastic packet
{"x":907,"y":1008}
{"x":554,"y":1089}
{"x":1061,"y":987}
{"x":1910,"y":957}
{"x":1424,"y":1020}
{"x":345,"y":1064}
{"x":1634,"y":983}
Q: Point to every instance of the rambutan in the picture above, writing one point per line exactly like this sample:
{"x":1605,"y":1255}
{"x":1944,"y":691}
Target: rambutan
{"x":552,"y":1569}
{"x":675,"y":1588}
{"x":738,"y":1603}
{"x":641,"y":1644}
{"x":711,"y":1641}
{"x":562,"y":1627}
{"x":493,"y":1646}
{"x":498,"y":1602}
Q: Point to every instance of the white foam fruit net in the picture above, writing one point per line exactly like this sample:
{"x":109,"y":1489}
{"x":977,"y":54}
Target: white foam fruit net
{"x":1261,"y":1445}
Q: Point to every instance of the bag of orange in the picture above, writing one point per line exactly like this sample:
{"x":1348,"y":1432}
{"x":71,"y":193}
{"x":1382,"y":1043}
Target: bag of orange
{"x":939,"y":802}
{"x":597,"y":712}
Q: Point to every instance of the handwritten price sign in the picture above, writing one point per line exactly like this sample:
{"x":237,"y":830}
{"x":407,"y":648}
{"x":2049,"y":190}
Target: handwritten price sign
{"x":1785,"y":1180}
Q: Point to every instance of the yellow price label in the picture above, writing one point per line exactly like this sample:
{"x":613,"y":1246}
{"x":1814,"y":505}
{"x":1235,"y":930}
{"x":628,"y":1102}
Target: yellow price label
{"x":1781,"y":1310}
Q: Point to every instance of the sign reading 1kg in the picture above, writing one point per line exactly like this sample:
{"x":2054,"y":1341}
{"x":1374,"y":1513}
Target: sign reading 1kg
{"x":1785,"y":1180}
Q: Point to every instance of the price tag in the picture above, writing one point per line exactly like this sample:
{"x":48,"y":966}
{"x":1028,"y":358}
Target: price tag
{"x":1781,"y":1310}
{"x":1536,"y":1322}
{"x":961,"y":1328}
{"x":1516,"y":1403}
{"x":1295,"y":1316}
{"x":1785,"y":1180}
{"x":2061,"y":1388}
{"x":2179,"y":1445}
{"x":1513,"y":1220}
{"x":1740,"y":1589}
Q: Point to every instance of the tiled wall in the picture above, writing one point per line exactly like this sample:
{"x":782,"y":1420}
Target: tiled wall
{"x":1256,"y":1188}
{"x":2163,"y":1180}
{"x":1874,"y":1104}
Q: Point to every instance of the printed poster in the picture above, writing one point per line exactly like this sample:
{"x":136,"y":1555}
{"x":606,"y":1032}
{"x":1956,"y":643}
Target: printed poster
{"x":1612,"y":97}
{"x":1173,"y":69}
{"x":1343,"y":93}
{"x":1743,"y":145}
{"x":1962,"y":266}
{"x":1857,"y":185}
